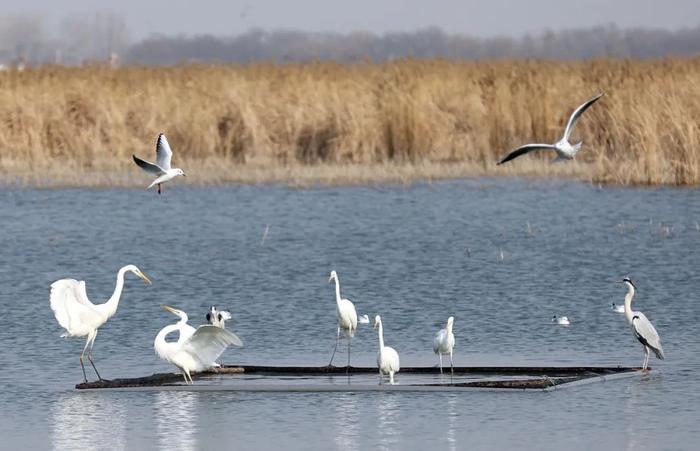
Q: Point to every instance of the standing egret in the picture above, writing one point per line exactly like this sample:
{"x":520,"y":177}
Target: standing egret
{"x":193,"y":351}
{"x":80,"y":317}
{"x":387,"y":357}
{"x":347,"y":317}
{"x":218,"y":318}
{"x":444,"y":342}
{"x":561,"y":320}
{"x":161,"y":169}
{"x":641,"y":327}
{"x":564,"y":149}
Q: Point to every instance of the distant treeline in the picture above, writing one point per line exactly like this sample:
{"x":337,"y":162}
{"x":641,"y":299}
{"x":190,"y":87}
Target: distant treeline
{"x":299,"y":46}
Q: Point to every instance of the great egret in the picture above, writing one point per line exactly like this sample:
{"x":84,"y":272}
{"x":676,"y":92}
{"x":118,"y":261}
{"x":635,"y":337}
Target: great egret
{"x":194,"y":350}
{"x":444,"y":342}
{"x":618,"y":308}
{"x":80,"y":317}
{"x":641,"y":327}
{"x":564,"y":149}
{"x":561,"y":320}
{"x":161,"y":169}
{"x":387,"y":357}
{"x":347,"y":317}
{"x":218,"y":318}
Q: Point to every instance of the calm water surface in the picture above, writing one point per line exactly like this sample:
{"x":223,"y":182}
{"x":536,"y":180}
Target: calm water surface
{"x":414,"y":254}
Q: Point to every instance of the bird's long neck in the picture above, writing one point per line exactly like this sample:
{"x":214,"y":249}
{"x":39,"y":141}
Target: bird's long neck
{"x":381,"y":338}
{"x":160,"y":344}
{"x":109,"y":308}
{"x":628,"y":303}
{"x":448,"y":327}
{"x":337,"y":291}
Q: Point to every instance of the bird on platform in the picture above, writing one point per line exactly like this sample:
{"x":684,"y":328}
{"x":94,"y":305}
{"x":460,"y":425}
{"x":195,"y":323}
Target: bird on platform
{"x":80,"y":317}
{"x":641,"y":326}
{"x":194,"y":350}
{"x":387,"y":357}
{"x":218,"y":318}
{"x":161,"y":168}
{"x":347,"y":317}
{"x":561,"y":320}
{"x":563,"y":148}
{"x":444,"y":342}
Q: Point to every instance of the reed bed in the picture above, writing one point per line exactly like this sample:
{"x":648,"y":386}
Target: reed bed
{"x":360,"y":123}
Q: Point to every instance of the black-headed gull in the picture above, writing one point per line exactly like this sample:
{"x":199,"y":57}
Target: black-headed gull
{"x":161,"y":168}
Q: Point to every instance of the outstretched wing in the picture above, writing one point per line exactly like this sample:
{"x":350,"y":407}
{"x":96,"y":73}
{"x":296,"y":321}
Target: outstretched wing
{"x":225,"y":315}
{"x":522,"y":150}
{"x":646,"y":333}
{"x":208,"y":343}
{"x":148,"y":167}
{"x":577,"y":114}
{"x":163,"y":152}
{"x":70,"y":305}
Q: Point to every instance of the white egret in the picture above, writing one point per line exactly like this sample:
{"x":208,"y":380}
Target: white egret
{"x":564,"y":149}
{"x":80,"y":317}
{"x":161,"y":169}
{"x":444,"y":342}
{"x":618,"y":308}
{"x":641,"y":326}
{"x":561,"y":320}
{"x":387,"y":357}
{"x":194,"y":350}
{"x":347,"y":317}
{"x":218,"y":318}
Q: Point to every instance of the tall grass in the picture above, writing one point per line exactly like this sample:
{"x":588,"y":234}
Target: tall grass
{"x":360,"y":122}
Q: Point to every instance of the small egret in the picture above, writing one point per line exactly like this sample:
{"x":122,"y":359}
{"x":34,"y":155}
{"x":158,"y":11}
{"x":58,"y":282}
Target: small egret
{"x":80,"y":317}
{"x":161,"y":169}
{"x":561,"y":320}
{"x":347,"y":316}
{"x":387,"y":357}
{"x":564,"y":149}
{"x":618,"y":308}
{"x":218,"y":318}
{"x":641,"y":327}
{"x":444,"y":342}
{"x":194,"y":350}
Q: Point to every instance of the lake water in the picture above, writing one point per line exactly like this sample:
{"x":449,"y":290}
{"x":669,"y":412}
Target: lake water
{"x":502,"y":256}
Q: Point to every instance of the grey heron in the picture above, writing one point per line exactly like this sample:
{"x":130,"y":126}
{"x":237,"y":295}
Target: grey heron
{"x":641,"y":326}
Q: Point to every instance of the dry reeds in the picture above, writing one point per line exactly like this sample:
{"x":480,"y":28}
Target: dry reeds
{"x":339,"y":123}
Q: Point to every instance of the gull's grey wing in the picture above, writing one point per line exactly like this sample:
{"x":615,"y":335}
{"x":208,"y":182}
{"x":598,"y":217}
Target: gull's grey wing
{"x":646,"y":334}
{"x":577,"y":114}
{"x":522,"y":150}
{"x":163,"y":152}
{"x":148,"y":167}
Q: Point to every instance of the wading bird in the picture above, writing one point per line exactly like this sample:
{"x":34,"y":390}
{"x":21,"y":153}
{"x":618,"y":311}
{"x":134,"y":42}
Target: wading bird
{"x":193,"y":351}
{"x":641,"y":327}
{"x":161,"y":169}
{"x":618,"y":308}
{"x":564,"y":149}
{"x":218,"y":318}
{"x":444,"y":342}
{"x":347,"y":317}
{"x":387,"y":357}
{"x":561,"y":320}
{"x":80,"y":317}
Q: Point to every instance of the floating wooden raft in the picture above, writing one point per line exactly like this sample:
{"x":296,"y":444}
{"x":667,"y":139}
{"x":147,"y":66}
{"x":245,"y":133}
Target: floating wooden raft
{"x":523,"y":378}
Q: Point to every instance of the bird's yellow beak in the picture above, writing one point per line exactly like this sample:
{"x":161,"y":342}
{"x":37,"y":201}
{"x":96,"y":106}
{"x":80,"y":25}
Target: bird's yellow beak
{"x":170,"y":309}
{"x":376,"y":324}
{"x":145,"y":279}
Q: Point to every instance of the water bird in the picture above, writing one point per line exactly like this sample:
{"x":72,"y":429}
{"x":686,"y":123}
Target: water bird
{"x":564,"y":149}
{"x":444,"y":342}
{"x":641,"y":326}
{"x":80,"y":317}
{"x":161,"y":169}
{"x":218,"y":318}
{"x":347,"y":316}
{"x":387,"y":357}
{"x":618,"y":308}
{"x":561,"y":320}
{"x":196,"y":349}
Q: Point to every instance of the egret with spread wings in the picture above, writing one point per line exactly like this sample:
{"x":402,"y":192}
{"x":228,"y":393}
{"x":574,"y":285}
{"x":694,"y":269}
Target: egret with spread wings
{"x":80,"y":317}
{"x":195,"y":349}
{"x":564,"y":149}
{"x":641,"y":326}
{"x":161,"y":169}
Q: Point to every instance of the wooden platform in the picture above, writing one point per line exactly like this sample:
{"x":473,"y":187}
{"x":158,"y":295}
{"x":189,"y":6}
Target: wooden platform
{"x":331,"y":378}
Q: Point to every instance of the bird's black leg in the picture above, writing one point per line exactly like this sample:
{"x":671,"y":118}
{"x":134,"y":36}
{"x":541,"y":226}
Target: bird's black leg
{"x":93,"y":364}
{"x":347,"y":369}
{"x":83,"y":367}
{"x":159,"y":189}
{"x":336,"y":347}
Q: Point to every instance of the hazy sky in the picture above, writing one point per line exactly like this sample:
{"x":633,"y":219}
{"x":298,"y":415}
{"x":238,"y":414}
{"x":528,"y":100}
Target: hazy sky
{"x":482,"y":18}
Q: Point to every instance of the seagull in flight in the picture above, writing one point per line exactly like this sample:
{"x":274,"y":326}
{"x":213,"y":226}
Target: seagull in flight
{"x":161,"y":169}
{"x":564,"y":149}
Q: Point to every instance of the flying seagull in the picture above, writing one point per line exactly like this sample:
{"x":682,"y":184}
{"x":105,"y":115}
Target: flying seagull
{"x":564,"y":149}
{"x":161,"y":169}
